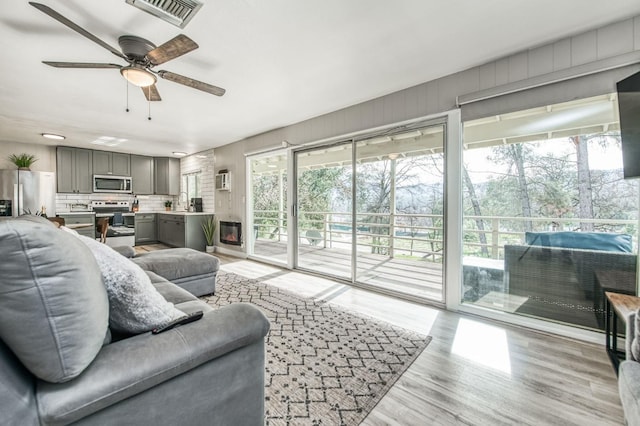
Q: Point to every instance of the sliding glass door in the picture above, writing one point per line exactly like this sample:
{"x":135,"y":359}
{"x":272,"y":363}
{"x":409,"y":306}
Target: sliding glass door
{"x":267,"y":236}
{"x":324,"y":210}
{"x":399,"y":229}
{"x":378,"y":221}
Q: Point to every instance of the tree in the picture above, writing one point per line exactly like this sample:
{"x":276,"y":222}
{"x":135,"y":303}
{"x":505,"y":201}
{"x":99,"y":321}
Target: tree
{"x":585,"y":194}
{"x":477,"y":211}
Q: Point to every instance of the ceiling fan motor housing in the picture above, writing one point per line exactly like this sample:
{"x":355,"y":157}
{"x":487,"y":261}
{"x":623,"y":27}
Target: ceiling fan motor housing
{"x":135,"y":48}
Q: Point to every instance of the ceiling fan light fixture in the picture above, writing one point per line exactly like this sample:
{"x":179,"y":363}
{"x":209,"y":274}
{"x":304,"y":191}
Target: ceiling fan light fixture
{"x":138,"y":76}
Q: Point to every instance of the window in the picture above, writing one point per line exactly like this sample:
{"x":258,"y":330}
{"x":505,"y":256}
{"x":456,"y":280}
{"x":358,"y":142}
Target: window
{"x":548,"y":217}
{"x":191,"y":187}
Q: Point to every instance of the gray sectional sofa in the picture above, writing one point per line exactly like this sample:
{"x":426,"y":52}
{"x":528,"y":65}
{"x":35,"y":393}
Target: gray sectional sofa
{"x":59,"y":363}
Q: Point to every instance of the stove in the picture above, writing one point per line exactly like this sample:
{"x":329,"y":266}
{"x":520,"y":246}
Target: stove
{"x":107,"y":208}
{"x":121,"y":229}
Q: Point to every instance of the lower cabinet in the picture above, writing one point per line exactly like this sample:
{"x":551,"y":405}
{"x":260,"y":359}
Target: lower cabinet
{"x":181,"y":230}
{"x":146,"y":228}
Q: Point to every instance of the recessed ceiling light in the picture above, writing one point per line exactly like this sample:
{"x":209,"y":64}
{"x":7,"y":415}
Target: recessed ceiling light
{"x":271,"y":166}
{"x":53,"y":136}
{"x":179,"y":153}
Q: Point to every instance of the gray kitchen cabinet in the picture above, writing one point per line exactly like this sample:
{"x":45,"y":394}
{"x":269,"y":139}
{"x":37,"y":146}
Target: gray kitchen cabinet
{"x":181,"y":230}
{"x":84,"y":224}
{"x":167,"y":176}
{"x":146,"y":228}
{"x":74,"y":170}
{"x":111,"y":163}
{"x":142,"y":174}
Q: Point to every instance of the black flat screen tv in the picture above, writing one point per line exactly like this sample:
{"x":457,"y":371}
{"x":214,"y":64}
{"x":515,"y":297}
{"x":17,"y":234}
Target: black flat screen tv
{"x":629,"y":108}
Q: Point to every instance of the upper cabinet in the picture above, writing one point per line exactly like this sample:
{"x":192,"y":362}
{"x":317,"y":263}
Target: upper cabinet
{"x":111,"y":163}
{"x":74,"y":170}
{"x":167,"y":176}
{"x":142,"y":174}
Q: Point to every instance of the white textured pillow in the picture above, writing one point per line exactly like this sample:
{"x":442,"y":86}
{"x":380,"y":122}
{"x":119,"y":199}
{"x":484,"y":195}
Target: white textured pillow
{"x":135,"y":306}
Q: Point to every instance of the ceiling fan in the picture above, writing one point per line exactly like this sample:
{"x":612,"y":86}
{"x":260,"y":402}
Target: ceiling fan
{"x":141,"y":56}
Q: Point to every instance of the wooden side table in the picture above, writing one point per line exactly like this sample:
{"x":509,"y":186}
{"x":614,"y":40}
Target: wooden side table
{"x":614,"y":281}
{"x":623,"y":305}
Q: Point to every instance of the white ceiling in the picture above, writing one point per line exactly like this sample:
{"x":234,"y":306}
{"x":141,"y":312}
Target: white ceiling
{"x":281,"y":62}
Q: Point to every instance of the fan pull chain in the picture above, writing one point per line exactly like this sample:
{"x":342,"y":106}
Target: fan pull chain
{"x":127,"y":83}
{"x":149,"y":102}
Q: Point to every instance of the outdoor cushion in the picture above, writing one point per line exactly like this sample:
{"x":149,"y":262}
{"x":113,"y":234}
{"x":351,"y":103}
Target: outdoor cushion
{"x":603,"y":241}
{"x":53,"y":305}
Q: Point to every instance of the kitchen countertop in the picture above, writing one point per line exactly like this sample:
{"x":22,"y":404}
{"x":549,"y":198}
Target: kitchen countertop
{"x":73,"y":213}
{"x":184,"y":213}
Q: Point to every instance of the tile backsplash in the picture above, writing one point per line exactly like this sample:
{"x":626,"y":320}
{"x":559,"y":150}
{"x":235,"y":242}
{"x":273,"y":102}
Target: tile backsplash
{"x":146,"y":203}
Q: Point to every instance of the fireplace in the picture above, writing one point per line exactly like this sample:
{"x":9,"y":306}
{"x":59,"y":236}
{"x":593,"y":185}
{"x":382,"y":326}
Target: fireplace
{"x":231,"y":233}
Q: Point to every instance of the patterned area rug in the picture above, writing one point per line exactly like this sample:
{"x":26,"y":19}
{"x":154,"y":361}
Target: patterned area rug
{"x":324,"y":365}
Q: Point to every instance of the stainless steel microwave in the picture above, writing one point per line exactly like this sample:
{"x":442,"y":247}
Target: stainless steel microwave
{"x":108,"y":183}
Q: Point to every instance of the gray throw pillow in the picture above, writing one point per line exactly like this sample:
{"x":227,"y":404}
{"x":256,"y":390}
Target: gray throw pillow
{"x":135,"y":306}
{"x":53,"y":305}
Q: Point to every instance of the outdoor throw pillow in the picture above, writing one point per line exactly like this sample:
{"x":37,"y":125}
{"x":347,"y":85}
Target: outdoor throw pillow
{"x":135,"y":306}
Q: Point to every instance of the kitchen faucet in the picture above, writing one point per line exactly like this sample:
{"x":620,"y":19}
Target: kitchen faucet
{"x":180,"y":200}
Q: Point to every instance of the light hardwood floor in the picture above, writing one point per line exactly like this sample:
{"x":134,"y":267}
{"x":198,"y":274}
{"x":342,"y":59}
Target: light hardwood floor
{"x":474,"y":372}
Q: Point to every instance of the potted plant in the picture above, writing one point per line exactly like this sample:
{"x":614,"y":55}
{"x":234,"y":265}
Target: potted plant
{"x":23,"y":161}
{"x":167,"y":205}
{"x":209,"y":228}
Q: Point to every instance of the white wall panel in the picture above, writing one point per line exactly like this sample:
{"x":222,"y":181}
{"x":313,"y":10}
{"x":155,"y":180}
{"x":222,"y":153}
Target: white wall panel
{"x":615,"y":39}
{"x":487,"y":75}
{"x":540,"y":60}
{"x":584,"y":48}
{"x":519,"y":66}
{"x":562,"y":54}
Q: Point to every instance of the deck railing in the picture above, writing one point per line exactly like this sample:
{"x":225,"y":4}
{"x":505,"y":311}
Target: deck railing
{"x":420,"y":235}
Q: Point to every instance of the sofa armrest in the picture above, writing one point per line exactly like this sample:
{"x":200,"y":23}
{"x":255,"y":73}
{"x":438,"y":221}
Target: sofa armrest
{"x":134,"y":365}
{"x":629,"y":390}
{"x":630,"y":333}
{"x":127,"y":251}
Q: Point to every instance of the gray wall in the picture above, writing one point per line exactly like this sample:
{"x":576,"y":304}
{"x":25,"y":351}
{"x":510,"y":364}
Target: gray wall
{"x":45,"y":154}
{"x":437,"y":96}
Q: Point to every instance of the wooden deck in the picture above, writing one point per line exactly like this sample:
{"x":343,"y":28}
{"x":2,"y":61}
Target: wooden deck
{"x":416,"y":278}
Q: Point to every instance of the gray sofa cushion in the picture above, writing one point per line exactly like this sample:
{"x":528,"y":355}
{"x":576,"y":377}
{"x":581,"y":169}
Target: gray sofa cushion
{"x":178,"y":263}
{"x":53,"y":305}
{"x":135,"y":306}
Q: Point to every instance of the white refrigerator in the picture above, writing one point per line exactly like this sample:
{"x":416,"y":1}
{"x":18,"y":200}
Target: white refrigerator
{"x":29,"y":192}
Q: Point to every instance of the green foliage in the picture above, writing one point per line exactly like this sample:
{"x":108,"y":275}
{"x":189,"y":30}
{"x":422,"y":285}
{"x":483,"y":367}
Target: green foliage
{"x":209,"y":228}
{"x":168,"y":203}
{"x":23,"y":160}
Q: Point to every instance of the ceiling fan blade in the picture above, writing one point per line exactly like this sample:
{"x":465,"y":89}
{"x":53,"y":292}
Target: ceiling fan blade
{"x":177,"y":46}
{"x":151,"y":93}
{"x":79,"y":65}
{"x":55,"y":15}
{"x":180,"y":79}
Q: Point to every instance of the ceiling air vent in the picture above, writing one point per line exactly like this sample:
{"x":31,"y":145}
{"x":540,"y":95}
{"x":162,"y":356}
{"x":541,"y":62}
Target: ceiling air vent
{"x":176,"y":12}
